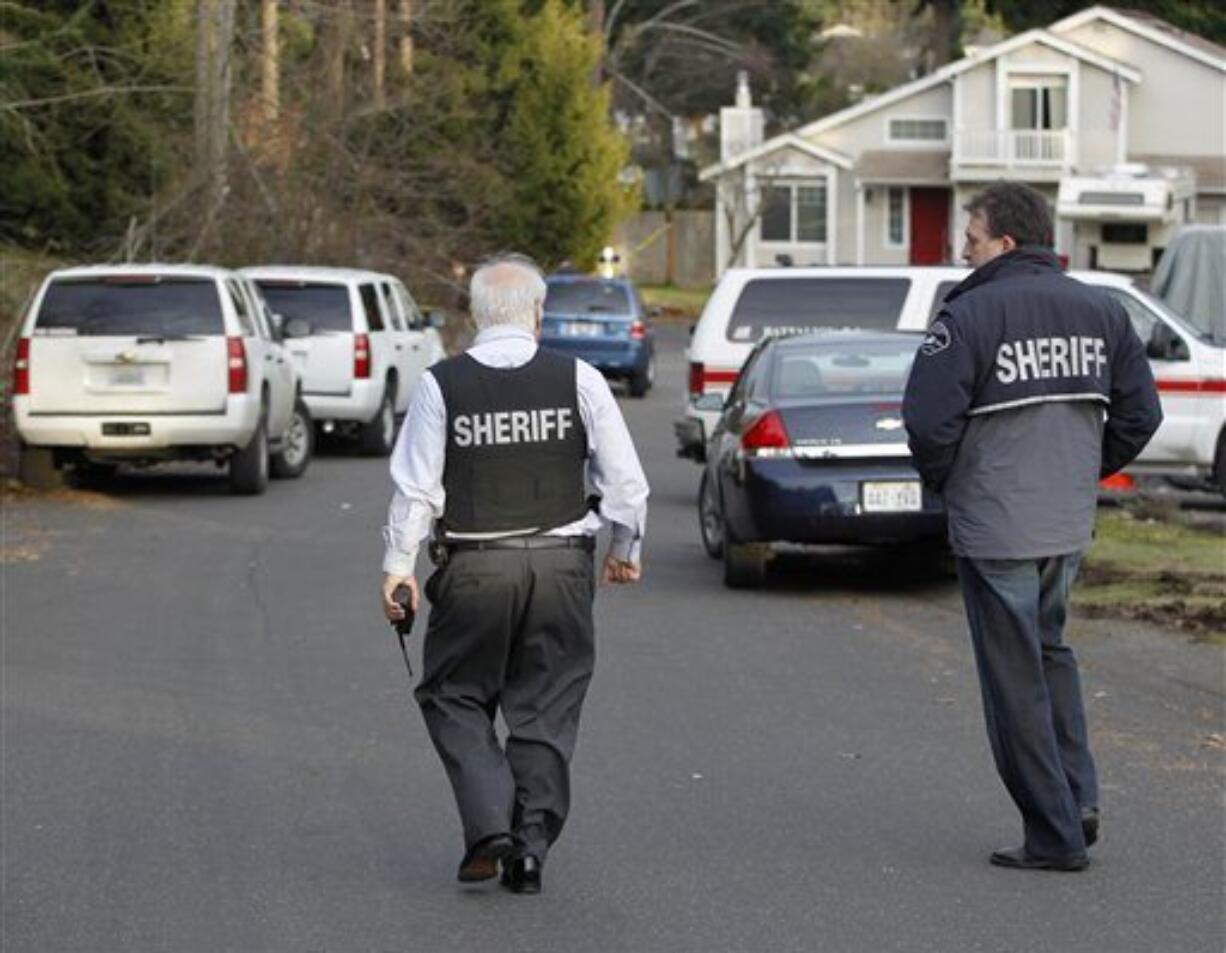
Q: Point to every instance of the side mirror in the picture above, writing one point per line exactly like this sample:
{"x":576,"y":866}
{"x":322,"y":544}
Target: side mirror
{"x":294,"y":328}
{"x":1165,"y":345}
{"x":436,"y":320}
{"x":654,"y":311}
{"x":710,"y":402}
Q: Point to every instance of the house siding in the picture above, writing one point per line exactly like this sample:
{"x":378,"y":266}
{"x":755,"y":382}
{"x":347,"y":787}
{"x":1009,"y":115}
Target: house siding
{"x":978,"y":97}
{"x":1158,"y":121}
{"x":1096,"y":141}
{"x":869,"y":131}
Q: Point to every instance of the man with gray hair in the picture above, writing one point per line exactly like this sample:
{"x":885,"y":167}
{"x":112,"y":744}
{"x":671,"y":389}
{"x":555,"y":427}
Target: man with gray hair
{"x":513,"y":454}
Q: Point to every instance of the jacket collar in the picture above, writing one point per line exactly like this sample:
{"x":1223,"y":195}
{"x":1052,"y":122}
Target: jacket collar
{"x":1026,"y":260}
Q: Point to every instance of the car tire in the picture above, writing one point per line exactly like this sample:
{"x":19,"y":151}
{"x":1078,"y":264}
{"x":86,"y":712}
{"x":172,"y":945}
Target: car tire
{"x":1219,"y":463}
{"x":710,"y":517}
{"x":297,"y":445}
{"x":378,"y":436}
{"x":249,"y":466}
{"x":744,"y":564}
{"x":642,"y":380}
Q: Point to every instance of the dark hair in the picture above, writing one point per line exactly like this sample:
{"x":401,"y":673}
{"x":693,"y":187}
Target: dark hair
{"x":1014,"y":209}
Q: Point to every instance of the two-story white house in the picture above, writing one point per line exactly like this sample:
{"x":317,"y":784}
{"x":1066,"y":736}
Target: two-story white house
{"x":1118,"y":117}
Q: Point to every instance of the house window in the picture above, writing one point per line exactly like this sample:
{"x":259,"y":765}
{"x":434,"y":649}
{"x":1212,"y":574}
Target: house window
{"x":810,"y":213}
{"x":777,"y":214}
{"x":1125,"y":233}
{"x":793,"y":213}
{"x":896,"y":218}
{"x":917,"y":130}
{"x":1039,"y":105}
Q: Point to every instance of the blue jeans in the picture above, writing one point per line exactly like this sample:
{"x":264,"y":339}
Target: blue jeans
{"x":1032,"y":693}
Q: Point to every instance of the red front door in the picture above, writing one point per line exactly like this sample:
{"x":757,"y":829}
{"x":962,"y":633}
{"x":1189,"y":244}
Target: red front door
{"x":929,"y":226}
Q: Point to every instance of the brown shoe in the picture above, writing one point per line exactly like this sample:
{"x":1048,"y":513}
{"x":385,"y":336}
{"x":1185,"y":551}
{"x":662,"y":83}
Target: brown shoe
{"x":481,"y":860}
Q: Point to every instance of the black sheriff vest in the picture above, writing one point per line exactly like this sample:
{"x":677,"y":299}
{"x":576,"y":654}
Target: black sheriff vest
{"x":516,"y":445}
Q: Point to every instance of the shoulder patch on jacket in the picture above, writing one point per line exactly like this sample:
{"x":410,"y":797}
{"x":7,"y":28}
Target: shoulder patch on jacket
{"x":936,"y":340}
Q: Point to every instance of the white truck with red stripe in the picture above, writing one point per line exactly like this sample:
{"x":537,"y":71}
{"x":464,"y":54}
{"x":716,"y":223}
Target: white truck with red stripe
{"x":749,"y":304}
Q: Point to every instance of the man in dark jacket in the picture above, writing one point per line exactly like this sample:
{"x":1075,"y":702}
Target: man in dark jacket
{"x":1029,"y":387}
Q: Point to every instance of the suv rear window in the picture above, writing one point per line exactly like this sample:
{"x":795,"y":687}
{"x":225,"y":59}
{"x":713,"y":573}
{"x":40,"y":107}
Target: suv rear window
{"x":144,"y":304}
{"x":771,"y":306}
{"x":581,"y":297}
{"x":325,"y":307}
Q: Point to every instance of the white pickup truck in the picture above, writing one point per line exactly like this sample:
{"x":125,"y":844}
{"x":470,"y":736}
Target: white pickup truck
{"x":748,"y":304}
{"x":140,"y":364}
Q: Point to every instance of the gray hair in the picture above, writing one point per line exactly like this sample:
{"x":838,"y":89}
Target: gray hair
{"x":506,"y":290}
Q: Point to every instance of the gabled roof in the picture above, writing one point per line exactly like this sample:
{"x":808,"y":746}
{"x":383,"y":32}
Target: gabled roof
{"x":942,"y":75}
{"x":1151,"y":28}
{"x":789,"y":140}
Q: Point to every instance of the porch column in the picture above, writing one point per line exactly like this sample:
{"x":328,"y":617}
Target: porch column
{"x":859,"y":222}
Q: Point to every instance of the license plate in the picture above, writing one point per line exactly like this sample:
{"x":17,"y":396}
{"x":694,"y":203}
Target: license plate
{"x":894,"y":497}
{"x":124,"y":376}
{"x":582,"y":329}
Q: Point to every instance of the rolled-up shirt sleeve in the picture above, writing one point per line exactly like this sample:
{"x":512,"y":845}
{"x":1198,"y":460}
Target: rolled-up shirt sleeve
{"x":613,"y":465}
{"x":417,"y":471}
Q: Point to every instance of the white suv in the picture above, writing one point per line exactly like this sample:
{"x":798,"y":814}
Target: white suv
{"x":146,"y":363}
{"x":364,"y":344}
{"x":749,"y":304}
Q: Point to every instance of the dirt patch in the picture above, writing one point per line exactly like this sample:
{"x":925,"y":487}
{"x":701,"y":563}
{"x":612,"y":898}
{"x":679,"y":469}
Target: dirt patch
{"x":1151,"y":564}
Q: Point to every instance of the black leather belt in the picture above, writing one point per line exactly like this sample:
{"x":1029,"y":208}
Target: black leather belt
{"x":584,"y":542}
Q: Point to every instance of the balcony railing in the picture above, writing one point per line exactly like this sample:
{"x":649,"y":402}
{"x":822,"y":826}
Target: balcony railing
{"x":1014,"y":147}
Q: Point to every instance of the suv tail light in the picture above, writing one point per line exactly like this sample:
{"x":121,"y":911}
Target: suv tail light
{"x":21,"y":367}
{"x":697,"y":379}
{"x":236,"y":361}
{"x":767,"y":436}
{"x":361,"y":356}
{"x":638,"y":331}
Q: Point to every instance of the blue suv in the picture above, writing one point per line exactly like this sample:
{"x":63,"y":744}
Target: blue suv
{"x":602,"y":321}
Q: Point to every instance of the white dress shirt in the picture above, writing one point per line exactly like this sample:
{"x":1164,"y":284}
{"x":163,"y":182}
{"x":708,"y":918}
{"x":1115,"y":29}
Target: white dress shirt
{"x":613,"y":468}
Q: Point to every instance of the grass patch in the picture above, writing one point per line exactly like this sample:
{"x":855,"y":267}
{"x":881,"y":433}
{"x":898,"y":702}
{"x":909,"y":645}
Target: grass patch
{"x":675,"y":303}
{"x":1147,"y":565}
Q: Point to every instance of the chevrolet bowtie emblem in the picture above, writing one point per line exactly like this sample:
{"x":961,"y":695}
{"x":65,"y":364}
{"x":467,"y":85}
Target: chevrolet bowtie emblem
{"x":126,"y":357}
{"x":889,"y":423}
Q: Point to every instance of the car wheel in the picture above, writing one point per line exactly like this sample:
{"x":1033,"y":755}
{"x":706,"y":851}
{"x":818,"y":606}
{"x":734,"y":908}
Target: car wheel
{"x":744,"y":564}
{"x":710,"y":517}
{"x":641,"y":382}
{"x":249,"y":466}
{"x":1219,"y":463}
{"x":297,"y":445}
{"x":379,"y":435}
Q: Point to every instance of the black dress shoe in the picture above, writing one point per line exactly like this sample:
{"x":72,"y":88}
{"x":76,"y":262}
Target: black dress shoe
{"x":522,"y":875}
{"x":1089,"y":825}
{"x":1018,"y":859}
{"x":481,"y":860}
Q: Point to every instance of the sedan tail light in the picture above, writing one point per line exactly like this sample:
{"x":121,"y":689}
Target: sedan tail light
{"x":767,"y":437}
{"x":21,"y":367}
{"x":361,"y":356}
{"x":236,"y":362}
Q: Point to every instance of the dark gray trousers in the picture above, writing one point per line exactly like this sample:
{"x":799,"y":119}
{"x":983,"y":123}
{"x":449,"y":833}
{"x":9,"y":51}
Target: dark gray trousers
{"x":509,"y":630}
{"x":1032,"y":693}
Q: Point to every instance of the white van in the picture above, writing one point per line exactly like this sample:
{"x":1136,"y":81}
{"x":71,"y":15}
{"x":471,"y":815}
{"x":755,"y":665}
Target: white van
{"x":749,"y":304}
{"x":364,"y":344}
{"x":145,"y":363}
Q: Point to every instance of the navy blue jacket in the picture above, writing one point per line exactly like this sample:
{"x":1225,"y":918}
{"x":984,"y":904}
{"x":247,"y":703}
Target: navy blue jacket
{"x":1028,"y":387}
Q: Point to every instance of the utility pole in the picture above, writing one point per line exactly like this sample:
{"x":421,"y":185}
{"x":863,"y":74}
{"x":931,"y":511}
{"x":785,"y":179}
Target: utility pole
{"x":270,"y":62}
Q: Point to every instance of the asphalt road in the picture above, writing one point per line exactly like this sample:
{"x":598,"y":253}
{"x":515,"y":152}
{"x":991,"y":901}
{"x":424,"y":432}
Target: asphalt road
{"x":209,"y":744}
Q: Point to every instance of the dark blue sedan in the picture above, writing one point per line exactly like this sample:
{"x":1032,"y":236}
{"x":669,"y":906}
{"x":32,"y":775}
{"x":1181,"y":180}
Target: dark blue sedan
{"x":810,"y":449}
{"x":602,"y":321}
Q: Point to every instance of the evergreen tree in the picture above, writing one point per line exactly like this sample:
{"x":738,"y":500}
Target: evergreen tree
{"x":558,"y":151}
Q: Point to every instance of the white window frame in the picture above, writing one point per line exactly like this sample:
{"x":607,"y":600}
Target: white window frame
{"x":886,"y":241}
{"x":793,"y":185}
{"x":893,"y":140}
